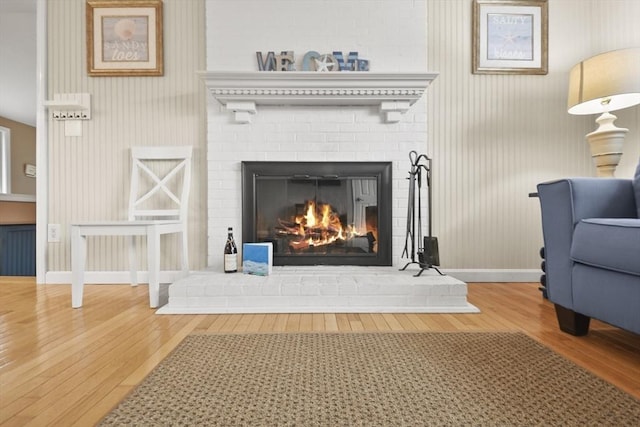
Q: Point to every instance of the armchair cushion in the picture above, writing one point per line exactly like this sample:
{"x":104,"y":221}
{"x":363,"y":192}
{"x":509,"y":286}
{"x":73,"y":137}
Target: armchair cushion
{"x":636,"y":188}
{"x":617,"y":247}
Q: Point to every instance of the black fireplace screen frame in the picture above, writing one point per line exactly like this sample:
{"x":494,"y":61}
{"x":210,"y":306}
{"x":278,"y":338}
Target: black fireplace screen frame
{"x":381,"y":171}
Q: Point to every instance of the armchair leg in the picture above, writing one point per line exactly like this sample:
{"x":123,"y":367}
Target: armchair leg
{"x":571,"y":322}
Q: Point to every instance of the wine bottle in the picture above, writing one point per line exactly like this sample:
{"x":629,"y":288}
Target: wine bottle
{"x":230,"y":253}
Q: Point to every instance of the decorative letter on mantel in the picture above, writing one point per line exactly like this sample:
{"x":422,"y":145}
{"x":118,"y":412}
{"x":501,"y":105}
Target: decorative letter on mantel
{"x":242,"y":92}
{"x":312,"y":61}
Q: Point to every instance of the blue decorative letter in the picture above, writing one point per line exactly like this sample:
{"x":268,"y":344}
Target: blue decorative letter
{"x":308,"y":63}
{"x":269,"y":64}
{"x":363,"y":65}
{"x":351,"y":61}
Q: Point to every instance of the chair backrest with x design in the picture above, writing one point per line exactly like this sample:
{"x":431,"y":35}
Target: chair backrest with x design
{"x":160,"y":183}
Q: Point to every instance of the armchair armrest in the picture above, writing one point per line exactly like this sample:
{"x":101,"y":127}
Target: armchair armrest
{"x":563,"y":204}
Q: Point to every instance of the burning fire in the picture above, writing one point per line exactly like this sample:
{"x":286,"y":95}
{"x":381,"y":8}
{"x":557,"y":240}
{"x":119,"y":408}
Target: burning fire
{"x":318,"y":225}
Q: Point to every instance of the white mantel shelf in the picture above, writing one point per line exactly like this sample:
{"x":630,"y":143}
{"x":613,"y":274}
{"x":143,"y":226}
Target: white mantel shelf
{"x":242,"y":92}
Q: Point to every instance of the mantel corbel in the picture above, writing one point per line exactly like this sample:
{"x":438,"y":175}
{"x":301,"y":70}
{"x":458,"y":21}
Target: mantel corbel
{"x":242,"y":92}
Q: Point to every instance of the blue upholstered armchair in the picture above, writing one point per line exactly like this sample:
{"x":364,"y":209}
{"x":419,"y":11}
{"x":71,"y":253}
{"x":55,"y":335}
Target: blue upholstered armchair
{"x":591,"y":229}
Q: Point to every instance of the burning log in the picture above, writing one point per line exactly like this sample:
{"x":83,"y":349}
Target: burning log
{"x":299,"y":245}
{"x":291,"y":228}
{"x":320,"y":225}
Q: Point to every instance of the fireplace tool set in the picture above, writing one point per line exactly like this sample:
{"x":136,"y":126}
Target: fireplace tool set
{"x":427,"y":247}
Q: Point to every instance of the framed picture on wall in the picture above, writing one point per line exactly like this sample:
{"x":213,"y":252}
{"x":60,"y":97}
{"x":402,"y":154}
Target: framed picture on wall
{"x":124,"y":37}
{"x":510,"y":37}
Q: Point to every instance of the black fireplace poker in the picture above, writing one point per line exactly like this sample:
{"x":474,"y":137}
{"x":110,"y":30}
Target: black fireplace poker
{"x":427,"y":250}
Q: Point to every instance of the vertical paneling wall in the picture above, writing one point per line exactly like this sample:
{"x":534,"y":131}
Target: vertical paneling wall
{"x":89,"y":175}
{"x":494,"y":137}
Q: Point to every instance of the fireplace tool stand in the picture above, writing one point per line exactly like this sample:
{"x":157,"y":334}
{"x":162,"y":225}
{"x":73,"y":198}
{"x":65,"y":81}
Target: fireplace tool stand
{"x":427,"y":250}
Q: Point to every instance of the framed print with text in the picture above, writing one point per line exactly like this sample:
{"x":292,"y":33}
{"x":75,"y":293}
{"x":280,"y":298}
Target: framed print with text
{"x":510,"y":37}
{"x":124,"y":38}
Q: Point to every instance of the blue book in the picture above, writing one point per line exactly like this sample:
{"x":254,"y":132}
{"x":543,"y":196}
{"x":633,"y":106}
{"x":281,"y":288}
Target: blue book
{"x":257,"y":258}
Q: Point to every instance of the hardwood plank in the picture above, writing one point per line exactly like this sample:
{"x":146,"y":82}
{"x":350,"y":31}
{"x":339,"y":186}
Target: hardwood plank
{"x":293,"y":322}
{"x":231,"y":323}
{"x":243,"y":323}
{"x":267,"y":324}
{"x":393,"y":322}
{"x":330,"y":322}
{"x":256,"y":322}
{"x":63,"y":366}
{"x":417,"y":322}
{"x":217,"y":324}
{"x":317,"y":322}
{"x":380,"y":322}
{"x":343,"y":322}
{"x":306,"y":323}
{"x":405,"y":323}
{"x":355,"y":323}
{"x":280,"y":324}
{"x":368,"y":324}
{"x":207,"y":322}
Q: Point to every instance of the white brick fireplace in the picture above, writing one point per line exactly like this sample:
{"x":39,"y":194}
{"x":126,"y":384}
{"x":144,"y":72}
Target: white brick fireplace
{"x":310,"y":117}
{"x":283,"y":126}
{"x":297,"y":116}
{"x":326,"y":121}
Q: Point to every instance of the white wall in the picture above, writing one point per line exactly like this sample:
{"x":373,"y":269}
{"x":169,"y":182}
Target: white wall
{"x":391,"y":33}
{"x":18,"y":56}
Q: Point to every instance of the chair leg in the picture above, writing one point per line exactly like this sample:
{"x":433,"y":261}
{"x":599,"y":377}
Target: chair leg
{"x":133,"y":260}
{"x":185,"y":253}
{"x":153,"y":262}
{"x":78,"y":258}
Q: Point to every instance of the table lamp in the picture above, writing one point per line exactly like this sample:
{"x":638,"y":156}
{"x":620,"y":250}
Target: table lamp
{"x":602,"y":84}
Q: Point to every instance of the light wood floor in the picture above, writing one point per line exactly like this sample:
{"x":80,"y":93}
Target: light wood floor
{"x":64,"y":366}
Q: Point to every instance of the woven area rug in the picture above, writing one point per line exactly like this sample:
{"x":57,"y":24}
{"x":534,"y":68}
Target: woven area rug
{"x":371,"y":379}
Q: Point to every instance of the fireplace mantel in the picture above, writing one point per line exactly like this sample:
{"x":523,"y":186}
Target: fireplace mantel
{"x":242,"y":92}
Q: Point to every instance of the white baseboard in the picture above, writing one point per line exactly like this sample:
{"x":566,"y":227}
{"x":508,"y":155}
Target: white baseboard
{"x":465,"y":275}
{"x":497,"y":275}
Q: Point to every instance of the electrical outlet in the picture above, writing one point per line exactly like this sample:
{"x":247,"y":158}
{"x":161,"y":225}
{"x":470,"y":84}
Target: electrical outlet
{"x":53,"y":233}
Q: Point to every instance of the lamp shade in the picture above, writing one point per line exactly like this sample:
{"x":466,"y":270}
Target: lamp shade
{"x":605,"y":82}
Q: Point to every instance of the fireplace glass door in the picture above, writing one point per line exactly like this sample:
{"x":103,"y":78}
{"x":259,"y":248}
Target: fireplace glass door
{"x":314,"y":213}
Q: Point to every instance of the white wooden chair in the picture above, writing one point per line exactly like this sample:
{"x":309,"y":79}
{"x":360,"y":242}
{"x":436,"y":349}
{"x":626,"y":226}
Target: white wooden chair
{"x":162,"y":209}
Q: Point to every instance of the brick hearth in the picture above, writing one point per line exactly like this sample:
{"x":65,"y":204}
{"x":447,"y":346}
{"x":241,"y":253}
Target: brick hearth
{"x":326,"y":289}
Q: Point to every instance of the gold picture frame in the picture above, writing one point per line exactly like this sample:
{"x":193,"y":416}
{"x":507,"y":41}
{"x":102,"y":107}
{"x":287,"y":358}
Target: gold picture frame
{"x":124,"y":38}
{"x":510,"y":37}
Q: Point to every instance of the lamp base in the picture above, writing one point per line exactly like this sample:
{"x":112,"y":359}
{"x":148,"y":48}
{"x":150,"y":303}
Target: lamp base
{"x":606,"y":145}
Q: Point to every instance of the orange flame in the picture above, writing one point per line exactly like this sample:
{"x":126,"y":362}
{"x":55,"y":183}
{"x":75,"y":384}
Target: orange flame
{"x":320,"y":225}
